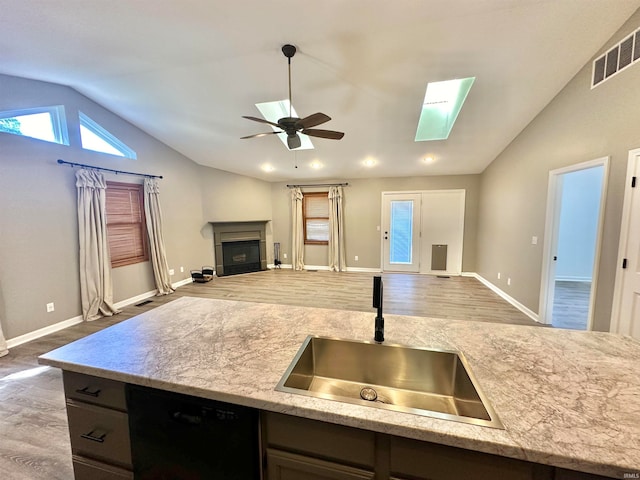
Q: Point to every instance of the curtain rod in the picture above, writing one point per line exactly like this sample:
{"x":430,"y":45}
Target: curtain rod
{"x":61,"y":162}
{"x":321,"y":185}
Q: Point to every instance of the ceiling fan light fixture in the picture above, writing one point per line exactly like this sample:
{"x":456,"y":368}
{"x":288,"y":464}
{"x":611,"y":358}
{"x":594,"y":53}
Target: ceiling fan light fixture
{"x":285,"y":121}
{"x":274,"y":111}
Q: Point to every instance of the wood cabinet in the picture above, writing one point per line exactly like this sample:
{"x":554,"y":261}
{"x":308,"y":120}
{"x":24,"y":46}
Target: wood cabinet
{"x":98,"y":427}
{"x":289,"y":466}
{"x":412,"y":459}
{"x":293,"y":448}
{"x":303,"y":449}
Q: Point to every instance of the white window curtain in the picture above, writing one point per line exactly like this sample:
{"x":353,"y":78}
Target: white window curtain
{"x":297,"y":230}
{"x":156,"y":241}
{"x":96,"y":289}
{"x":337,"y":257}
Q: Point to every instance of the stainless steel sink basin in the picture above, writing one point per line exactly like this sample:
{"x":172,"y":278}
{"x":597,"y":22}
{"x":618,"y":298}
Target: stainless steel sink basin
{"x":434,"y":383}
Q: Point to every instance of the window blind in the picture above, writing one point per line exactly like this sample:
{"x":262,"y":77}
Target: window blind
{"x":126,"y":224}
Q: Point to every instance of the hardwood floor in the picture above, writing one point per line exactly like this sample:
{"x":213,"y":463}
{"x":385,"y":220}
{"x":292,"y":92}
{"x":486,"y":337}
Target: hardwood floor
{"x":34,"y":443}
{"x":571,"y":304}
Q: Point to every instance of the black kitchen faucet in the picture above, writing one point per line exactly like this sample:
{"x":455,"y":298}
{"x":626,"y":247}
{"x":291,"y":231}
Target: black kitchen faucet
{"x":377,"y":303}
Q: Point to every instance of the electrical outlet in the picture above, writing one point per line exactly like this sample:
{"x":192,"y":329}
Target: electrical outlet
{"x":284,"y":255}
{"x":50,"y":307}
{"x":498,"y":275}
{"x":181,"y":269}
{"x":171,"y":271}
{"x":534,"y":240}
{"x":508,"y":281}
{"x":356,"y":258}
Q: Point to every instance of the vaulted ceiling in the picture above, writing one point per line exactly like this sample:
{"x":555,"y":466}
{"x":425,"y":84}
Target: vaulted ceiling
{"x":185,"y":71}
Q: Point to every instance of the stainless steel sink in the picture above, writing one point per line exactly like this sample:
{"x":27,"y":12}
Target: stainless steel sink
{"x":434,"y":383}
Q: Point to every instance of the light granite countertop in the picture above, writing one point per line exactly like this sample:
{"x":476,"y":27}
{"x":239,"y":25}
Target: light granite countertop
{"x":566,"y":398}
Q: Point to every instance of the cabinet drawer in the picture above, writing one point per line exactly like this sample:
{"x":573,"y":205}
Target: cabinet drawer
{"x":416,"y":459}
{"x":99,"y":433}
{"x":86,"y":469}
{"x":287,"y":466}
{"x":99,"y":391}
{"x":322,"y":440}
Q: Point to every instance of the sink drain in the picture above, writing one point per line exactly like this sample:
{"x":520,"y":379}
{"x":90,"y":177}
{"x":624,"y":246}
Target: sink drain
{"x":368,"y":394}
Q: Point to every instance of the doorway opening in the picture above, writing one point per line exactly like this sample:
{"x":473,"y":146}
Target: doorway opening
{"x":423,"y":232}
{"x":575,"y":212}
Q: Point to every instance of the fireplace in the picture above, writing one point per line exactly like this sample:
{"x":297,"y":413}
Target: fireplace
{"x":240,"y":247}
{"x":241,"y":257}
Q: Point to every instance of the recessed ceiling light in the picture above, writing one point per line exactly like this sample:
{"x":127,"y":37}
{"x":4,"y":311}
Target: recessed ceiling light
{"x":369,"y":162}
{"x":267,"y":168}
{"x":274,"y":111}
{"x":316,"y":164}
{"x":428,"y":159}
{"x":442,"y":104}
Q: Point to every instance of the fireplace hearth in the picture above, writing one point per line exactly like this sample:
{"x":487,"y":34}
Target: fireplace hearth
{"x":240,"y":247}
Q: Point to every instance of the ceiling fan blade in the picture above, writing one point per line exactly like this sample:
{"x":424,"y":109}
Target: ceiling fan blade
{"x":260,"y":135}
{"x":314,"y":132}
{"x":312,"y":120}
{"x":261,"y":120}
{"x":293,"y":141}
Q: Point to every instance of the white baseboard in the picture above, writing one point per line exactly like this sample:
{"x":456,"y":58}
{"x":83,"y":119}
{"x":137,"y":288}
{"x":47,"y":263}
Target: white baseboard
{"x":56,"y":327}
{"x":186,"y":281}
{"x":41,"y":332}
{"x":363,"y":269}
{"x":136,"y":299}
{"x":326,"y":268}
{"x":528,"y":312}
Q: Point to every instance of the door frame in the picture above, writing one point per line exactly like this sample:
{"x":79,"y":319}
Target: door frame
{"x":382,"y":239}
{"x":551,"y":230}
{"x":616,"y":326}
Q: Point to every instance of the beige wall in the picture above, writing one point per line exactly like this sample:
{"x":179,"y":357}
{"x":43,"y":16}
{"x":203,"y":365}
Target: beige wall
{"x":38,"y":219}
{"x":362,"y":205}
{"x":580,"y":124}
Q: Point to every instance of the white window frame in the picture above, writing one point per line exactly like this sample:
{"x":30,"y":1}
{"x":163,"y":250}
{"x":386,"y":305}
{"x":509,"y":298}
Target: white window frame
{"x":58,"y":121}
{"x":108,"y":137}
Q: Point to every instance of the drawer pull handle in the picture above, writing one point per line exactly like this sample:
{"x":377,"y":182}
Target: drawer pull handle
{"x":95,"y":436}
{"x":87,"y":391}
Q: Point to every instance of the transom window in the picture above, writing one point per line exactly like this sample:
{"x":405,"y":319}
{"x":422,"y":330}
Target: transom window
{"x":43,"y":123}
{"x":126,"y":227}
{"x":96,"y":138}
{"x":315,"y":211}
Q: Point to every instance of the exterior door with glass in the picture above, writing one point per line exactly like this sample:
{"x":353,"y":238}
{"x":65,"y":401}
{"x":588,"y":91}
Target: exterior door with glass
{"x":401,"y":213}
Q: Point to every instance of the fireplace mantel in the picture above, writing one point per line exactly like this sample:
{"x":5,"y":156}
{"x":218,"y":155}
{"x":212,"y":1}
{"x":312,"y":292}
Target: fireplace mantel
{"x":240,"y":231}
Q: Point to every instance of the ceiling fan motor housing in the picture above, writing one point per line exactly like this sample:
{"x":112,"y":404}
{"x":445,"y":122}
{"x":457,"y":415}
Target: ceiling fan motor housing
{"x":288,"y":50}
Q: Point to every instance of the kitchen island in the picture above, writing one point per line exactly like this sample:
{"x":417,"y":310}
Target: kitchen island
{"x":567,"y":399}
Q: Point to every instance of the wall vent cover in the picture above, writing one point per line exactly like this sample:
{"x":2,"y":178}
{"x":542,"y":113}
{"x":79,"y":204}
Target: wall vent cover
{"x":616,"y":59}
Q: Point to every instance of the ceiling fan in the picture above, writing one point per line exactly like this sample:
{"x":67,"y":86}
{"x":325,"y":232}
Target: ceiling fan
{"x":293,"y":125}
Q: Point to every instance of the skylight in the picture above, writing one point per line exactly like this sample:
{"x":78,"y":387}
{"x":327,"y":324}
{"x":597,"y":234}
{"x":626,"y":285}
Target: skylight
{"x":442,"y":104}
{"x":274,"y":111}
{"x":43,"y":123}
{"x":96,"y":138}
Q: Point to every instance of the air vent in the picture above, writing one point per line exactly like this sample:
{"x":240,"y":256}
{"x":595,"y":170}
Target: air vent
{"x":616,"y":59}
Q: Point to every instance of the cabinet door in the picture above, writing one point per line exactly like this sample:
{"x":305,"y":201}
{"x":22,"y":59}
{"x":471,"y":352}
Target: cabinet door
{"x":288,"y":466}
{"x":428,"y":461}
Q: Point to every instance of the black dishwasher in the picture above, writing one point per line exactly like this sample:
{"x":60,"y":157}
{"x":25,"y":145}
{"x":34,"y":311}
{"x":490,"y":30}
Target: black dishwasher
{"x":179,"y":437}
